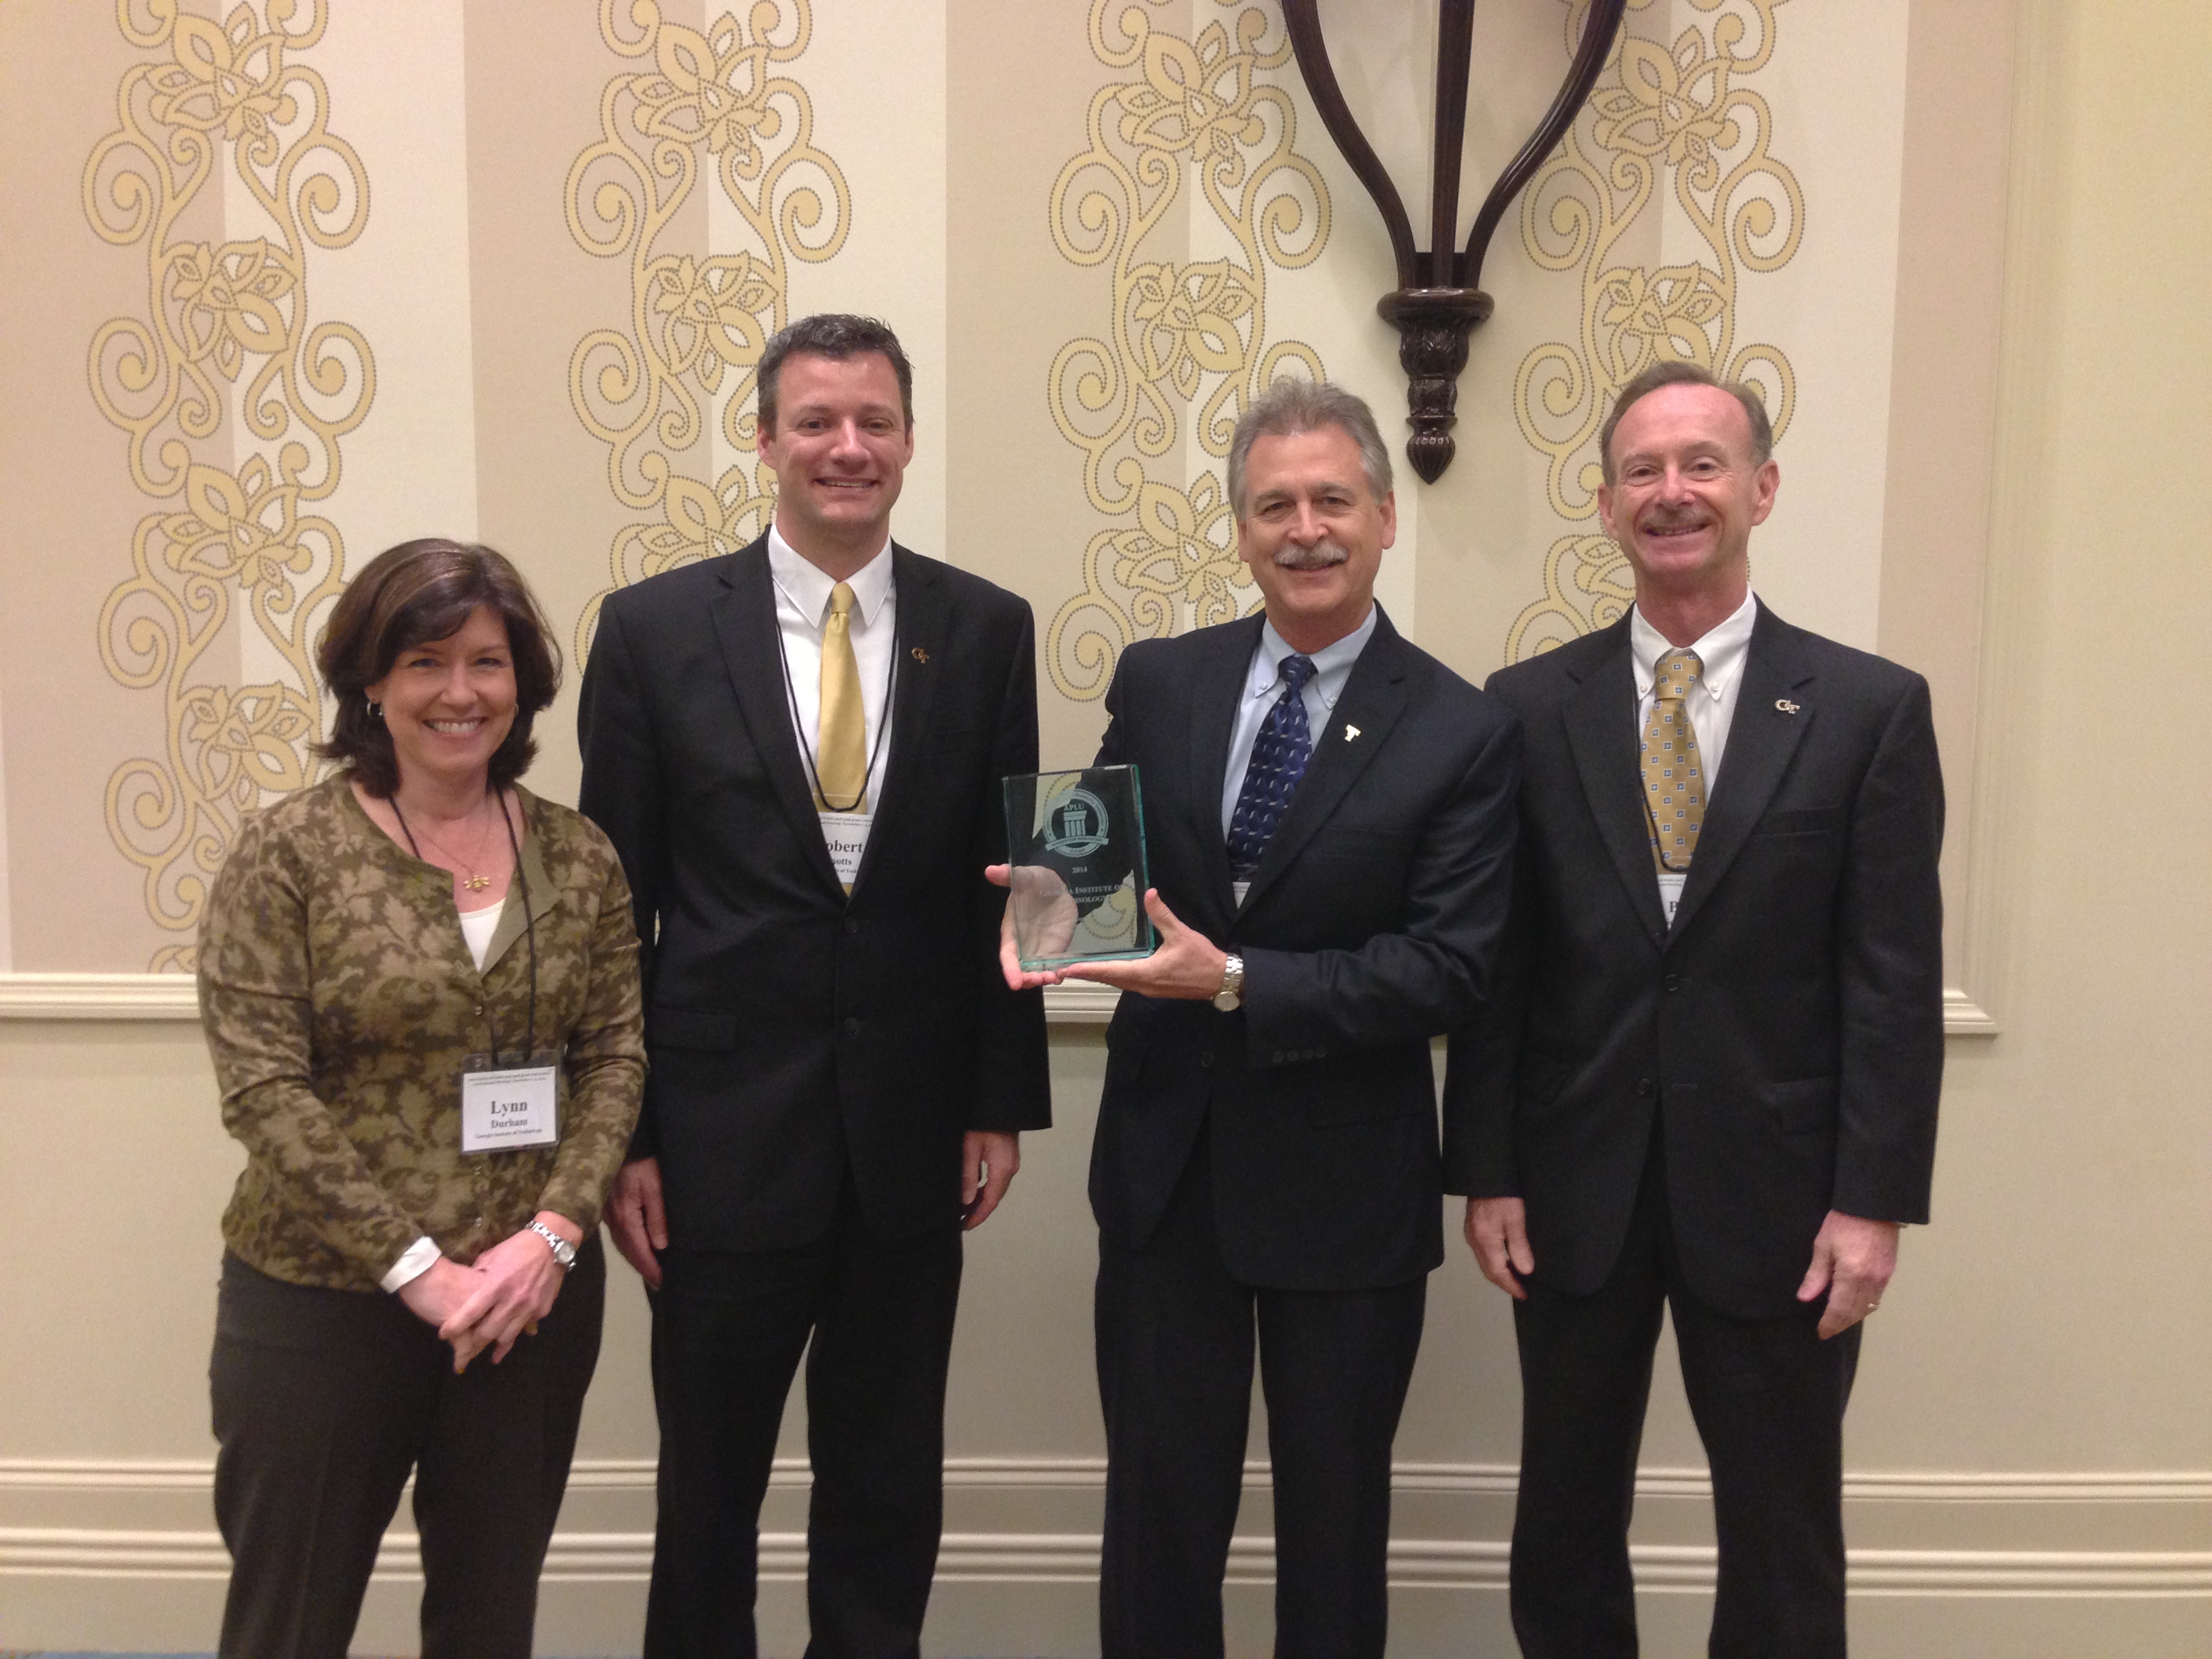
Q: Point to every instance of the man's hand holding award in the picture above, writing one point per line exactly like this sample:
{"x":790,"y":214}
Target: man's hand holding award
{"x":1079,"y":904}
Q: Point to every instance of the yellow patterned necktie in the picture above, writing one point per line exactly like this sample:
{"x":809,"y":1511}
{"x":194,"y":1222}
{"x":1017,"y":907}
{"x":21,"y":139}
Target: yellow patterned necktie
{"x":841,"y":765}
{"x":1673,"y":771}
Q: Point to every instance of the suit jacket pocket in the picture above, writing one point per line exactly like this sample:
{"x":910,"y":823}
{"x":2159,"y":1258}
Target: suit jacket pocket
{"x":690,"y":1028}
{"x":1807,"y":822}
{"x":1806,"y":1107}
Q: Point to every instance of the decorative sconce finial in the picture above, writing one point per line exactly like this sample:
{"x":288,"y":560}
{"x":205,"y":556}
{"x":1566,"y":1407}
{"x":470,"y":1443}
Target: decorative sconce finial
{"x":1438,"y":302}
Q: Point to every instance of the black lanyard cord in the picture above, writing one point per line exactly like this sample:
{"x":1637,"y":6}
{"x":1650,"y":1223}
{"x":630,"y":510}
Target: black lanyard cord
{"x":529,"y":926}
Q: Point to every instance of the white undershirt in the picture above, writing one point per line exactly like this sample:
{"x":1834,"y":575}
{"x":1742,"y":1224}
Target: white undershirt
{"x":802,"y":610}
{"x":477,"y":926}
{"x":1722,"y":651}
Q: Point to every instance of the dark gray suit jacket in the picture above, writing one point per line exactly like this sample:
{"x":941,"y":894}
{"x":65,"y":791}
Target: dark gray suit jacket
{"x":791,"y":1029}
{"x":1369,"y":928}
{"x":1786,"y":1031}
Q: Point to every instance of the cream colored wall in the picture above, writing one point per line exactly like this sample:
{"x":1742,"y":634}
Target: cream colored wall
{"x":2031,"y":1462}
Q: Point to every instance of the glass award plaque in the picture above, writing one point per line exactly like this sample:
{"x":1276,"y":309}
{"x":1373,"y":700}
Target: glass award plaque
{"x":1076,"y":841}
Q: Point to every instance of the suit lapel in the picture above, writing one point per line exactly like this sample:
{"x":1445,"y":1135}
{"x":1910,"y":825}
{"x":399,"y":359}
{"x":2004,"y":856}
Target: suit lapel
{"x":917,"y":655}
{"x":1213,"y":704}
{"x":752,"y":652}
{"x":1761,"y":740}
{"x":1600,"y":720}
{"x":1374,"y":698}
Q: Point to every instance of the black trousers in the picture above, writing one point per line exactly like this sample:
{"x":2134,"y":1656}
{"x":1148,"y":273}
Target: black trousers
{"x":1768,"y":1396}
{"x":1176,"y":1340}
{"x":728,"y":1327}
{"x":324,"y":1399}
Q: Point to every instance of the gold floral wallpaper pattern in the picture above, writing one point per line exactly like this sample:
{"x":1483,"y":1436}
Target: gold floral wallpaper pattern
{"x":1673,"y":113}
{"x":1183,"y":120}
{"x":237,"y":482}
{"x":650,"y":390}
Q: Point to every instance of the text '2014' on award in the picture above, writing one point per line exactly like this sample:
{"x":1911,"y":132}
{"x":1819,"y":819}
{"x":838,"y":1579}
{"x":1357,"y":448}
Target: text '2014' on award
{"x":1076,"y":841}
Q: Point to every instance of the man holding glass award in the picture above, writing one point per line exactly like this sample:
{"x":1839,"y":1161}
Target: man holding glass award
{"x":1327,"y":818}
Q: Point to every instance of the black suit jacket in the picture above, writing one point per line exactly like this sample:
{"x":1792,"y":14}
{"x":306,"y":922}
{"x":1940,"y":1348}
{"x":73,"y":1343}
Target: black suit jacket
{"x":1786,"y":1031}
{"x":1370,"y":928}
{"x":791,"y":1029}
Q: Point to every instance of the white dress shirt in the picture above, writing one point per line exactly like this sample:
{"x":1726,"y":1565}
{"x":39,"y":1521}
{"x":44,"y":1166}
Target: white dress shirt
{"x":1263,"y":685}
{"x":802,"y":611}
{"x":1722,"y":651}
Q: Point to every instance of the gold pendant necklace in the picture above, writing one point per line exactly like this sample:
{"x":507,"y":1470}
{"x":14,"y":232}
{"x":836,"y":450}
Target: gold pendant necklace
{"x":472,"y":881}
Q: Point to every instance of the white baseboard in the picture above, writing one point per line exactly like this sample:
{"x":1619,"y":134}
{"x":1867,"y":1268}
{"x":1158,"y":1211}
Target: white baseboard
{"x":1047,"y":1557}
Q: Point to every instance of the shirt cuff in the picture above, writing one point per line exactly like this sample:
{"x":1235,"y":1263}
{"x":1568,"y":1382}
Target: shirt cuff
{"x":420,"y":1257}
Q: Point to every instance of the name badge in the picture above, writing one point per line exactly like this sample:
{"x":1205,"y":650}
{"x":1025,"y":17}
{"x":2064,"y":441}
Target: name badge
{"x":1670,"y":892}
{"x":510,"y":1108}
{"x":845,"y":834}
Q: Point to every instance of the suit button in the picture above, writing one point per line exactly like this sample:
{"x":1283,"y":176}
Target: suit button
{"x":851,"y":926}
{"x":852,"y":1025}
{"x":1644,"y":1086}
{"x":1207,"y":1061}
{"x":1673,"y":981}
{"x":1279,"y":1056}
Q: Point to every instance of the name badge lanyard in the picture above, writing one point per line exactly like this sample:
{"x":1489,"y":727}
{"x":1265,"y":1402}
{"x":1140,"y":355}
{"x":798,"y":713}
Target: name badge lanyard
{"x":806,"y":749}
{"x":529,"y":928}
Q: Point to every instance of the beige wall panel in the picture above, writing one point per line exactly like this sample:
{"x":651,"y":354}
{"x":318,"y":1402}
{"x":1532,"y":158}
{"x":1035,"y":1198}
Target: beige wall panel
{"x":2063,"y":1275}
{"x":535,"y":80}
{"x":878,"y":72}
{"x":398,"y":76}
{"x":1943,"y":404}
{"x":68,"y":507}
{"x":1019,"y":79}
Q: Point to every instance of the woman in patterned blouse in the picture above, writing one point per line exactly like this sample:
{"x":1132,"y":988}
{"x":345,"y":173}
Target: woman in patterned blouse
{"x":419,"y":986}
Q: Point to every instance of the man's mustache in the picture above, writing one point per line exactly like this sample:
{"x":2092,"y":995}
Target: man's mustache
{"x":1321,"y":557}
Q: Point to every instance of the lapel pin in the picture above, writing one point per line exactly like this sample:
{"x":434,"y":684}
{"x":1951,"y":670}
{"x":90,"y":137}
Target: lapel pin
{"x":1350,"y":732}
{"x":921,"y":655}
{"x":1785,"y":705}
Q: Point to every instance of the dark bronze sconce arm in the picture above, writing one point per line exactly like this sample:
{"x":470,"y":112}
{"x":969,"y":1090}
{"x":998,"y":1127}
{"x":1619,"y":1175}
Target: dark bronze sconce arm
{"x":1439,"y":301}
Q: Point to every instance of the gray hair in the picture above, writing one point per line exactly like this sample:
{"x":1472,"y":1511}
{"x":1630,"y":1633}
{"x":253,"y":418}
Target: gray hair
{"x":1673,"y":371}
{"x":1293,"y":405}
{"x":837,"y":335}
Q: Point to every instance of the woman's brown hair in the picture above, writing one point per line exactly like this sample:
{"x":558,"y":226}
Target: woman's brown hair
{"x":407,"y":596}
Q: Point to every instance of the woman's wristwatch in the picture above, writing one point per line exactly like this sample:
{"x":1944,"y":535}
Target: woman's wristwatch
{"x":1231,"y":996}
{"x":563,"y":1251}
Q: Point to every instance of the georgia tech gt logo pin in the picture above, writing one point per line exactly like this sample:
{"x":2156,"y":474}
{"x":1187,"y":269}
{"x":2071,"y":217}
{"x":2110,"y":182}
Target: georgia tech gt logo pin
{"x":919,"y":655}
{"x":1785,"y":705}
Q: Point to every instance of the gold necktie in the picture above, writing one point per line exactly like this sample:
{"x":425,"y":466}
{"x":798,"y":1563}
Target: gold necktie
{"x":1673,"y":771}
{"x":841,"y":764}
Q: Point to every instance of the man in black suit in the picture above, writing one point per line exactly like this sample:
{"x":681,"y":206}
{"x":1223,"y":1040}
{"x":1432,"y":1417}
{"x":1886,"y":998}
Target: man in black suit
{"x":1335,"y":808}
{"x":839,"y":1071}
{"x":1709,"y":1077}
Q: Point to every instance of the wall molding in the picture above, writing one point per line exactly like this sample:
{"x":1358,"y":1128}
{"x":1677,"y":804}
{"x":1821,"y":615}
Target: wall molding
{"x":124,"y":1475}
{"x":1040,"y":1556}
{"x":169,"y":997}
{"x":1073,"y":1558}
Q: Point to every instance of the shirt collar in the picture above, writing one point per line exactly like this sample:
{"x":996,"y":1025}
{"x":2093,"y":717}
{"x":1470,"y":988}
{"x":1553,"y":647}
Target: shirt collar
{"x":807,"y":585}
{"x":1721,"y":650}
{"x":1331,"y":663}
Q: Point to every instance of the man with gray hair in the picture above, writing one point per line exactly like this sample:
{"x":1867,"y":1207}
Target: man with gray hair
{"x":1329,"y":822}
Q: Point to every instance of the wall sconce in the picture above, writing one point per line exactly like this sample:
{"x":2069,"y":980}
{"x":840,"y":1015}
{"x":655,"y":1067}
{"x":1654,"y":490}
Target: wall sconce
{"x":1438,"y":302}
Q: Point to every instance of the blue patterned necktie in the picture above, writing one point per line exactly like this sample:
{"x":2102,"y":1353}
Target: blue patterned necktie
{"x":1280,"y":754}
